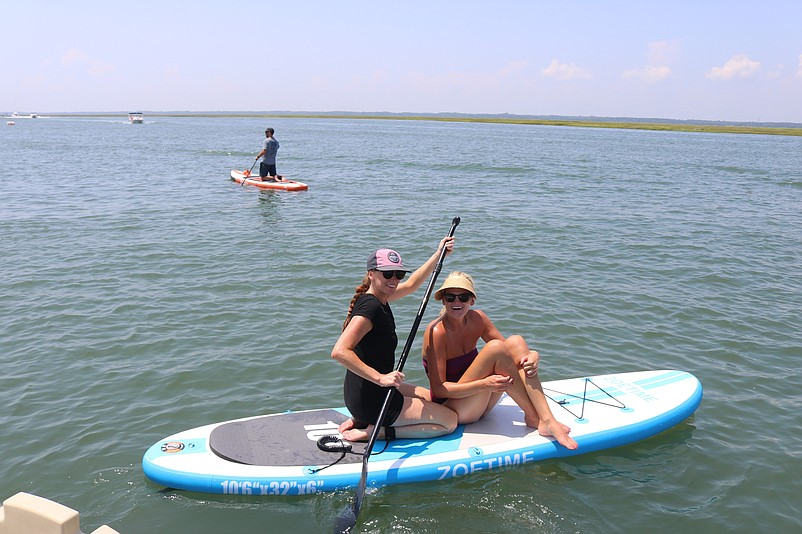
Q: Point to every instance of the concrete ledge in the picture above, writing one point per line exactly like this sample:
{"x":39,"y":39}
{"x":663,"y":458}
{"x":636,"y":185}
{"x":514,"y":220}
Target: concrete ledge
{"x":25,"y":513}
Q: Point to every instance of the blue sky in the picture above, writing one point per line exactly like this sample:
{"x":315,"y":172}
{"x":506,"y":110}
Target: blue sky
{"x":716,"y":60}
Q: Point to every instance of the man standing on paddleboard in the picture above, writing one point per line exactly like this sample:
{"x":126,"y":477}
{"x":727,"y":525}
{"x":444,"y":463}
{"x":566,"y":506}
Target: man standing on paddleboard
{"x":270,"y":147}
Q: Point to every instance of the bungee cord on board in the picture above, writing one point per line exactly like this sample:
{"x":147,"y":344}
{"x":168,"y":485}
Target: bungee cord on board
{"x":563,"y":402}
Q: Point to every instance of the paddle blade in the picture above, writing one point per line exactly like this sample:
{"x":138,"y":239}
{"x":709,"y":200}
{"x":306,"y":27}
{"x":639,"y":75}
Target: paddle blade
{"x":346,"y":520}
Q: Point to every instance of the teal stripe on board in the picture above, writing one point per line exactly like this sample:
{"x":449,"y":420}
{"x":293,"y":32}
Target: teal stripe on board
{"x":663,"y":380}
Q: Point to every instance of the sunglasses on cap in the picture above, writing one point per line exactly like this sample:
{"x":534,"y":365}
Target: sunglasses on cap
{"x":451,"y":297}
{"x":399,"y":275}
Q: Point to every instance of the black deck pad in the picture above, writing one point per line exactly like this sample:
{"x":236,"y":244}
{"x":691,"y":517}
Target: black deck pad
{"x":283,"y":439}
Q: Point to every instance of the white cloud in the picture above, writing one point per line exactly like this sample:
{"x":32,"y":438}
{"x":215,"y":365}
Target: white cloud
{"x":562,"y":71}
{"x":92,"y":66}
{"x":799,"y":70}
{"x":662,"y":52}
{"x":658,"y":55}
{"x":776,"y":72}
{"x":648,"y":74}
{"x":72,"y":56}
{"x":739,"y":66}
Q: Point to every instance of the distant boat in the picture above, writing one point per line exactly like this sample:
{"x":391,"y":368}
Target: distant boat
{"x":10,"y":123}
{"x":135,"y":118}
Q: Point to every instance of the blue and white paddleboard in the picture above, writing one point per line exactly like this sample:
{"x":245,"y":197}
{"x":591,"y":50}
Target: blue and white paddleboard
{"x":279,"y":454}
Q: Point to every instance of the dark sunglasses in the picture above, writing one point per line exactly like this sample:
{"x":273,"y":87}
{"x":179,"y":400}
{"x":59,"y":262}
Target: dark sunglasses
{"x":451,"y":297}
{"x":399,"y":275}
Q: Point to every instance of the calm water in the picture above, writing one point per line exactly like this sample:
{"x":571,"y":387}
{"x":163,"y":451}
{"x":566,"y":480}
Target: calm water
{"x":143,"y":293}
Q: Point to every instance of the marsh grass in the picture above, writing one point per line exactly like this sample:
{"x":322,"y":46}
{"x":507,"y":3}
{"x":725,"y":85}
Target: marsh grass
{"x":685,"y":126}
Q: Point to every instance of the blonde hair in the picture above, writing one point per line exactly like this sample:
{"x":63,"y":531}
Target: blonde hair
{"x":361,"y":289}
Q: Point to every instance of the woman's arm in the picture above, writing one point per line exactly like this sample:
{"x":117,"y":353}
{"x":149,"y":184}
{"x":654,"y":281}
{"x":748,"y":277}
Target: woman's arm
{"x":529,"y":361}
{"x":343,"y":352}
{"x":489,"y":330}
{"x":416,"y":279}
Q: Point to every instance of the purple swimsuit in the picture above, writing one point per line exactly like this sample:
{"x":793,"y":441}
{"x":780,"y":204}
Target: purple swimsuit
{"x":455,"y":368}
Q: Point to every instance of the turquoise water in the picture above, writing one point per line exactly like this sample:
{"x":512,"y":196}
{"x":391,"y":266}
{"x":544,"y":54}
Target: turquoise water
{"x":144,"y":293}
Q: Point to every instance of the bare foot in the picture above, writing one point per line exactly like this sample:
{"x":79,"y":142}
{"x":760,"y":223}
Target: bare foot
{"x":356,"y":434}
{"x":558,"y":431}
{"x":348,"y":424}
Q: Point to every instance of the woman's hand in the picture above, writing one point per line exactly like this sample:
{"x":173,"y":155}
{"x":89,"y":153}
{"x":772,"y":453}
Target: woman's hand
{"x":391,"y":380}
{"x":530,"y":363}
{"x":498,"y":382}
{"x":447,"y":242}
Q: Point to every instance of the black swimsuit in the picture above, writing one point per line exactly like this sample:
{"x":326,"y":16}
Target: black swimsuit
{"x":363,"y":398}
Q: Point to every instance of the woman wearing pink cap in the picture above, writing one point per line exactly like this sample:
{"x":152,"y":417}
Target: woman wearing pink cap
{"x":367,"y":346}
{"x":471,"y":381}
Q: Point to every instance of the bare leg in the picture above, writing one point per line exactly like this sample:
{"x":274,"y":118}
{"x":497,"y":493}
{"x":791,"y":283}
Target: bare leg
{"x":406,"y":389}
{"x":419,"y":431}
{"x":494,"y":358}
{"x":494,"y":398}
{"x":546,"y":424}
{"x":418,"y":419}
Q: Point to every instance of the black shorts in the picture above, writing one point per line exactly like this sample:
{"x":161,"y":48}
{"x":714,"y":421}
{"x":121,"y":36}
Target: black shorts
{"x":367,"y":413}
{"x":266,"y":169}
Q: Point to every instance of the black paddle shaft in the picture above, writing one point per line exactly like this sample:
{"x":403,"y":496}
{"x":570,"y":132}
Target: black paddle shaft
{"x":411,"y":338}
{"x":246,"y":176}
{"x":347,"y":518}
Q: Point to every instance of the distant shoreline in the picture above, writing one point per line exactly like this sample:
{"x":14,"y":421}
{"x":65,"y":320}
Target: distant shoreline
{"x":623,"y":124}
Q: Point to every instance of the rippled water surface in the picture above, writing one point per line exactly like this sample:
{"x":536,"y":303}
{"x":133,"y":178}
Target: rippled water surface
{"x":144,"y":293}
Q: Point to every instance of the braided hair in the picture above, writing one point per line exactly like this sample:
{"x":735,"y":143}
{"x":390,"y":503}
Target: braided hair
{"x":361,"y":289}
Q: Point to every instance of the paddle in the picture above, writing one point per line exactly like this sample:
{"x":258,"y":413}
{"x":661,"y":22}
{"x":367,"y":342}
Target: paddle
{"x":247,"y":174}
{"x":347,"y":518}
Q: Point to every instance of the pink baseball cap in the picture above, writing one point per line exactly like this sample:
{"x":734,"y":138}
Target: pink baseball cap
{"x":386,"y":259}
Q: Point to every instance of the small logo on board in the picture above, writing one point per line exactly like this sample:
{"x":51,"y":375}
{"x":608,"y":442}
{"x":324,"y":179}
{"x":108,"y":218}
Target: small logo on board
{"x":172,"y":446}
